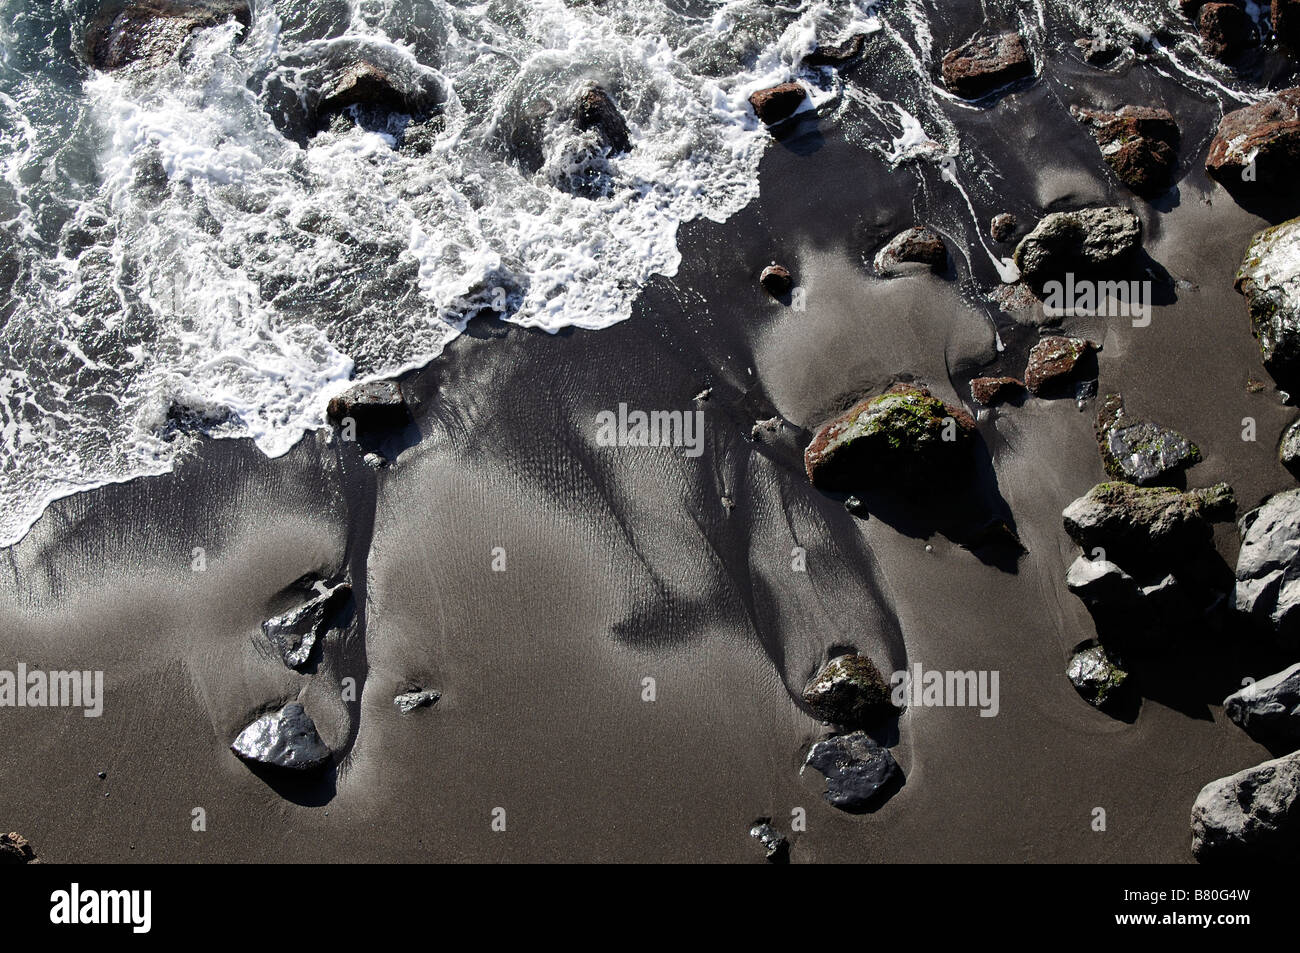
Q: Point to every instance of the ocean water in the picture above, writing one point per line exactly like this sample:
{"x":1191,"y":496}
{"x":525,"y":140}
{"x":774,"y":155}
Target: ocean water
{"x":183,"y":254}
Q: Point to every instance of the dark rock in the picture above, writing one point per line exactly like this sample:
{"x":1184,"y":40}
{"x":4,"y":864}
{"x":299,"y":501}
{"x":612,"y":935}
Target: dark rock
{"x":904,"y":438}
{"x":776,"y":281}
{"x":15,"y":849}
{"x":1100,"y":49}
{"x":596,"y":109}
{"x":1269,"y":710}
{"x":984,"y":64}
{"x":295,"y":633}
{"x":1269,"y":277}
{"x":836,"y":54}
{"x":993,"y":390}
{"x":919,"y":246}
{"x":776,"y":846}
{"x":1257,"y":148}
{"x":408,"y":702}
{"x":363,"y":84}
{"x":849,"y":691}
{"x":147,"y":34}
{"x":1052,"y":361}
{"x":283,"y":739}
{"x":378,"y":405}
{"x":1003,"y":227}
{"x":859,"y":772}
{"x":1125,"y":611}
{"x":1139,"y":451}
{"x":1226,"y":30}
{"x":1254,"y":815}
{"x":778,"y":103}
{"x":1135,"y":525}
{"x":1085,"y":241}
{"x":1099,"y":677}
{"x":1268,"y":570}
{"x":1139,"y":144}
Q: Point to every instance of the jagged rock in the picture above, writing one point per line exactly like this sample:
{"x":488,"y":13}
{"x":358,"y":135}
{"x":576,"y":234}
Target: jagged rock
{"x":1099,"y":677}
{"x":776,"y":846}
{"x":377,"y":405}
{"x":836,"y":54}
{"x":849,"y":691}
{"x":408,"y":702}
{"x":776,"y":281}
{"x":984,"y":64}
{"x":295,"y":633}
{"x":904,"y":438}
{"x":1269,"y":710}
{"x":15,"y":849}
{"x":595,"y":109}
{"x":361,"y":84}
{"x":1126,"y":611}
{"x":858,"y":771}
{"x":1254,"y":815}
{"x":283,"y":739}
{"x":1257,"y":147}
{"x":1138,"y":525}
{"x":992,"y":390}
{"x":1084,"y":241}
{"x":778,"y":103}
{"x":1138,"y":451}
{"x":1268,"y":565}
{"x":1139,"y":144}
{"x":919,"y":246}
{"x":1288,"y":451}
{"x":146,"y":34}
{"x":1003,"y":227}
{"x":1100,"y":582}
{"x":1226,"y":30}
{"x":1269,"y":277}
{"x":1052,"y":361}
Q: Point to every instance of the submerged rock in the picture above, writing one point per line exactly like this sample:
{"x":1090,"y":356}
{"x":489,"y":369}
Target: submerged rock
{"x":1003,"y":227}
{"x":1147,"y":523}
{"x":984,"y":64}
{"x":858,"y":771}
{"x":992,"y":390}
{"x":1269,"y":710}
{"x":408,"y":702}
{"x":1085,"y":241}
{"x":904,"y":438}
{"x":1099,"y":677}
{"x":595,"y":109}
{"x":1269,"y":277}
{"x":377,"y":405}
{"x":283,"y":739}
{"x":849,"y":691}
{"x":776,"y":281}
{"x":1257,"y":147}
{"x":15,"y":849}
{"x":1138,"y":451}
{"x":1254,"y":815}
{"x":919,"y":246}
{"x":778,"y":103}
{"x":1268,"y":565}
{"x":1054,"y":360}
{"x":294,"y":634}
{"x":1139,"y":144}
{"x":1226,"y":30}
{"x":146,"y":34}
{"x":776,"y":846}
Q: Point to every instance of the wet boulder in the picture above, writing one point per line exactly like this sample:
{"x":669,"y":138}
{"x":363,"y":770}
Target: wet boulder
{"x":776,"y":281}
{"x":1086,"y":241}
{"x":362,"y":84}
{"x":1138,"y":451}
{"x":1226,"y":30}
{"x":408,"y":702}
{"x":376,"y":405}
{"x":1269,"y":710}
{"x":1268,"y":565}
{"x":595,"y":109}
{"x":913,"y":249}
{"x":283,"y":739}
{"x":836,"y":54}
{"x":860,"y":774}
{"x":1053,"y":361}
{"x":1140,"y":145}
{"x":147,"y":34}
{"x":1100,"y":678}
{"x":1253,"y":815}
{"x":1137,"y":525}
{"x":849,"y":691}
{"x":905,"y":439}
{"x":1002,"y":228}
{"x":778,"y":103}
{"x":1269,"y":278}
{"x":987,"y":391}
{"x":985,"y":64}
{"x":1257,"y":148}
{"x":294,"y":634}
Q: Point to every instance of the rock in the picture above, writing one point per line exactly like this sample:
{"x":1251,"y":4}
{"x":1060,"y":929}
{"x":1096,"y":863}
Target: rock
{"x":1269,"y":277}
{"x":377,"y":405}
{"x":15,"y":849}
{"x":1288,"y":452}
{"x":1226,"y":30}
{"x":1099,"y":677}
{"x":776,"y":846}
{"x":992,"y":390}
{"x":1003,"y":227}
{"x":1101,"y":583}
{"x":408,"y":702}
{"x":1138,"y":143}
{"x":1257,"y":147}
{"x":858,"y":771}
{"x":914,"y":246}
{"x":984,"y":64}
{"x":778,"y":103}
{"x":1269,"y":710}
{"x":776,"y":281}
{"x":595,"y":109}
{"x":1138,"y":451}
{"x":1100,"y":49}
{"x":766,"y":428}
{"x":1052,"y":361}
{"x":1286,"y":24}
{"x":1136,"y":525}
{"x":1254,"y":815}
{"x":1268,"y":564}
{"x":849,"y":691}
{"x":146,"y":34}
{"x":283,"y":739}
{"x":1084,"y":241}
{"x":367,"y":85}
{"x":904,"y":438}
{"x":295,"y":633}
{"x":836,"y":54}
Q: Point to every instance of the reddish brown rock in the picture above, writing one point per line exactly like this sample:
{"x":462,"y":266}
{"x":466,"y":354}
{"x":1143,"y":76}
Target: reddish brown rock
{"x":992,"y":390}
{"x":1053,"y":360}
{"x":836,"y":54}
{"x":1257,"y":148}
{"x":1226,"y":30}
{"x":776,"y":281}
{"x":984,"y":64}
{"x":778,"y":103}
{"x":1140,"y":144}
{"x":1003,"y":227}
{"x":914,"y":246}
